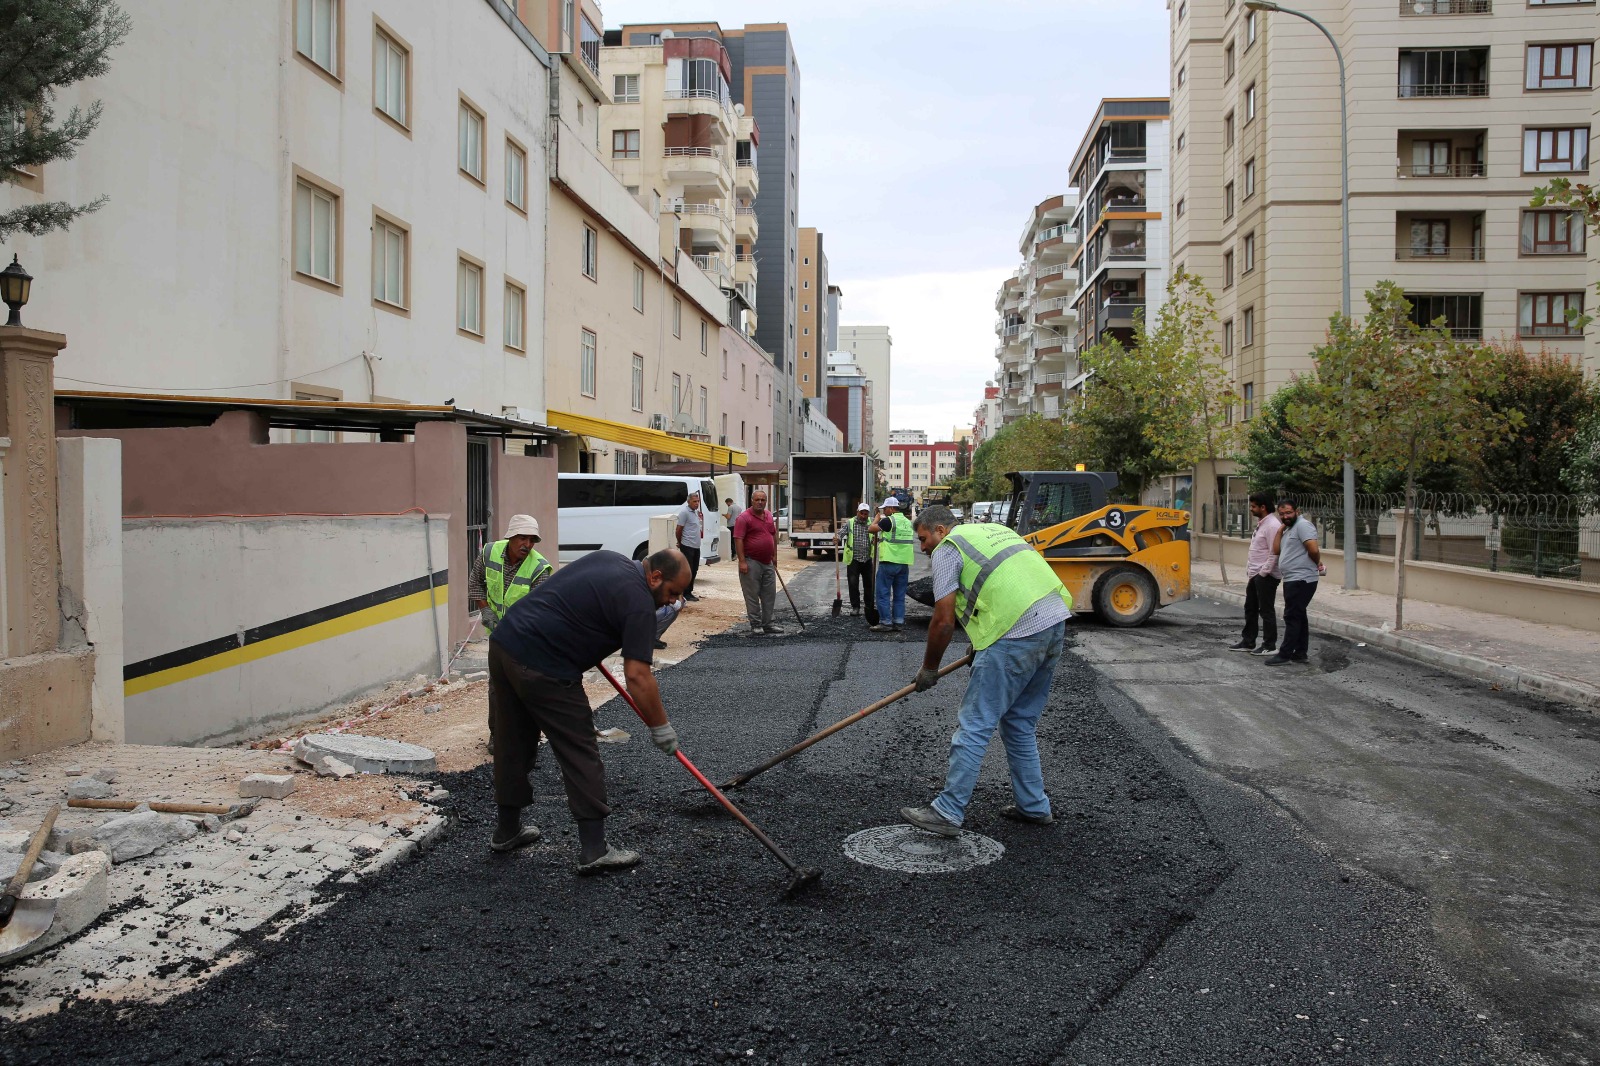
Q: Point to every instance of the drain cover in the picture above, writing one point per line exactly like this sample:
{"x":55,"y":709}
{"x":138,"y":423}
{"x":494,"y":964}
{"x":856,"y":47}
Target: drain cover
{"x":906,"y":849}
{"x":370,"y":755}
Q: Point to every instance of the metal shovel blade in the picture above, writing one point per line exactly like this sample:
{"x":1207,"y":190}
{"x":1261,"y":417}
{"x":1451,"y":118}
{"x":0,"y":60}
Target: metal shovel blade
{"x":30,"y":921}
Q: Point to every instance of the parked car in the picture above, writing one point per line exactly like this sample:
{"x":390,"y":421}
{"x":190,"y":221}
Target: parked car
{"x":613,"y":512}
{"x":783,"y":520}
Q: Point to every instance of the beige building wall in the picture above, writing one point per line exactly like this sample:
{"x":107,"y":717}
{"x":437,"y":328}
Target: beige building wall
{"x":873,"y":349}
{"x":1279,"y":306}
{"x":747,"y":382}
{"x":811,"y":359}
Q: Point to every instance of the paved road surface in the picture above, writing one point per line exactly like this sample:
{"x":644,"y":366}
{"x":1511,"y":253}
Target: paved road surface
{"x":1171,"y":917}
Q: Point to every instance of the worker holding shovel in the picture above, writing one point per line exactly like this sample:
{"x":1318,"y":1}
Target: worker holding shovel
{"x":1014,"y":610}
{"x":538,"y":655}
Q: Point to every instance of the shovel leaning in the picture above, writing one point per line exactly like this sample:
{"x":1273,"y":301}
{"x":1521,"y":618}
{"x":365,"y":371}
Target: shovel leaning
{"x":22,"y":921}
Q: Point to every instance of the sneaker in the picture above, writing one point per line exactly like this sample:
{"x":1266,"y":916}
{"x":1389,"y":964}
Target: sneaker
{"x":930,"y":821}
{"x":614,"y":859}
{"x":524,"y":836}
{"x":1243,"y":645}
{"x":661,"y":645}
{"x":1017,"y":814}
{"x":855,"y":612}
{"x":776,"y":631}
{"x":880,"y":628}
{"x":1278,"y":660}
{"x":691,"y":597}
{"x":1303,"y":660}
{"x":895,"y":628}
{"x":1266,"y":649}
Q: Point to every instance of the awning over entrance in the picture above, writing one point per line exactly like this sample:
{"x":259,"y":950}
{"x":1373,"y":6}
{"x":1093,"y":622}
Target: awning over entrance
{"x":650,"y":440}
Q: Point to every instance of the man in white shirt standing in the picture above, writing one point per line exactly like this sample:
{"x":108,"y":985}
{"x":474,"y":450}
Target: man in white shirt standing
{"x":691,"y":531}
{"x":1261,"y":580}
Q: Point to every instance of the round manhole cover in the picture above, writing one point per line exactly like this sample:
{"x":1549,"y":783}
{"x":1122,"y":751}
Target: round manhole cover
{"x":370,"y":755}
{"x":906,"y":849}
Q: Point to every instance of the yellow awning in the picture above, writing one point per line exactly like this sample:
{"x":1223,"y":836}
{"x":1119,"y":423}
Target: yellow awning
{"x":650,"y":440}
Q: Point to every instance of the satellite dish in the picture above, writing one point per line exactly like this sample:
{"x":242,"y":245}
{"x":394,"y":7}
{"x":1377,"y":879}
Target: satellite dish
{"x":666,"y":35}
{"x":738,"y":109}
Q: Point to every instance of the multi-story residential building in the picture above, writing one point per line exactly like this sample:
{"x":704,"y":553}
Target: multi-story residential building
{"x":914,"y":465}
{"x":815,"y":309}
{"x":986,"y":417}
{"x":1120,"y":170}
{"x":341,"y":200}
{"x":817,"y":431}
{"x":764,"y":77}
{"x":1458,"y":110}
{"x":1038,"y":320}
{"x":835,"y":305}
{"x":908,"y":436}
{"x":748,"y":377}
{"x":850,"y":402}
{"x":872,"y":348}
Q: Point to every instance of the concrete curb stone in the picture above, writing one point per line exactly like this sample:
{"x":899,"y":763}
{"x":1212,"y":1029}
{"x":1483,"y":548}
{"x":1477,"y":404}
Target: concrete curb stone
{"x":1510,"y":678}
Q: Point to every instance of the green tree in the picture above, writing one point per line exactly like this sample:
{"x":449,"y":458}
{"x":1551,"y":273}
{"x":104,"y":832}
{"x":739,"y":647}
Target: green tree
{"x":1555,"y":402}
{"x":44,"y":46}
{"x":1274,"y":459}
{"x":1107,"y":428}
{"x":1393,"y":395}
{"x":1581,"y":472}
{"x":963,"y":460}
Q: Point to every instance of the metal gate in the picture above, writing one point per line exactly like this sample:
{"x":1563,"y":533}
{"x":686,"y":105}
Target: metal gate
{"x":479,"y":511}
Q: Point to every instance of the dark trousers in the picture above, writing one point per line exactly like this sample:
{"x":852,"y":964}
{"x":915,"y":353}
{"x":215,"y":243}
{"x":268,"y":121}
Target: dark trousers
{"x":693,"y":555}
{"x":1261,"y":605}
{"x":524,"y":703}
{"x":1296,"y":635}
{"x":859,"y":573}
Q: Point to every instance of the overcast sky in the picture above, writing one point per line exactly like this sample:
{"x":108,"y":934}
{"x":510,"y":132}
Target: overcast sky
{"x":928,"y":130}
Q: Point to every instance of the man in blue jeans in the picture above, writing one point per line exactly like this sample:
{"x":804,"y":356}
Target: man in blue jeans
{"x":896,"y":548}
{"x":1014,"y":610}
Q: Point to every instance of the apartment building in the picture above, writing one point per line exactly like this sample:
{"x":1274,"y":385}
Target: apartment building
{"x":850,"y":403}
{"x":748,"y":385}
{"x":1458,"y":110}
{"x":765,"y":78}
{"x":331,"y":200}
{"x":914,"y":465}
{"x":1120,"y":170}
{"x":986,"y":421}
{"x":872,"y":350}
{"x":1037,"y":321}
{"x":907,"y":436}
{"x":835,"y":307}
{"x":816,"y":309}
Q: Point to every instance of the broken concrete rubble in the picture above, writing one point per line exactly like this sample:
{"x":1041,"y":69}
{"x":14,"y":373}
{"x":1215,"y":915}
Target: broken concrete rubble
{"x":79,"y":888}
{"x":89,"y":788}
{"x":132,"y":835}
{"x":266,"y":786}
{"x":328,"y":766}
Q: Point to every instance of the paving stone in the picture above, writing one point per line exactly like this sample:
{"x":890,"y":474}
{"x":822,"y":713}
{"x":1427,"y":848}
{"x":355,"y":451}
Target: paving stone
{"x":266,"y":786}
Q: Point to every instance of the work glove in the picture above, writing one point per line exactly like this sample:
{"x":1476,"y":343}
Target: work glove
{"x":926,"y":679}
{"x":665,"y":737}
{"x":487,"y":616}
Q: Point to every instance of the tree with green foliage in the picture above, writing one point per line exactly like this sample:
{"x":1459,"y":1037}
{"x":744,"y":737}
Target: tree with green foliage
{"x":1581,"y":470}
{"x":1392,"y":395}
{"x":1107,"y":429}
{"x":1555,"y":402}
{"x":1274,"y":459}
{"x":963,"y":460}
{"x":46,"y":45}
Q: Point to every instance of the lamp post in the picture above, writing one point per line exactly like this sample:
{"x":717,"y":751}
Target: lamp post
{"x":15,"y":285}
{"x":1348,"y":542}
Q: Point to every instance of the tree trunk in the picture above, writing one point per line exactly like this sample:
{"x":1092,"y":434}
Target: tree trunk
{"x":1401,"y":535}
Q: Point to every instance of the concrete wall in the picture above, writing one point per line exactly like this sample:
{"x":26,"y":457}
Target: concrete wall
{"x":746,"y":384}
{"x":90,"y":506}
{"x":525,"y":484}
{"x":1564,"y":603}
{"x":235,"y":624}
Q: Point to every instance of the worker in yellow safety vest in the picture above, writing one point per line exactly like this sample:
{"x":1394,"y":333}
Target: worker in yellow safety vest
{"x":1014,"y":610}
{"x":855,"y":538}
{"x":896,"y":548}
{"x":507,"y":570}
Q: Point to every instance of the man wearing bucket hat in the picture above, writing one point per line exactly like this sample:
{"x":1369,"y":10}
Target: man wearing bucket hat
{"x":506,"y":571}
{"x":896,"y":547}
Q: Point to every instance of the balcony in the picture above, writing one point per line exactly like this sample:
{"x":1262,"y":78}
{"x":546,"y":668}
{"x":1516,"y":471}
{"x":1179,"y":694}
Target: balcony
{"x":1117,"y":315}
{"x":1053,"y":311}
{"x":712,"y":104}
{"x":746,"y":226}
{"x":1434,"y":73}
{"x":747,"y":179}
{"x":698,"y":168}
{"x":1439,"y":237}
{"x":744,"y":270}
{"x":715,"y":267}
{"x":1441,"y":153}
{"x":1446,"y":7}
{"x":1460,"y":313}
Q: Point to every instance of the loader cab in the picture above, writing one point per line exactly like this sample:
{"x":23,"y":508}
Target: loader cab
{"x":1043,"y":498}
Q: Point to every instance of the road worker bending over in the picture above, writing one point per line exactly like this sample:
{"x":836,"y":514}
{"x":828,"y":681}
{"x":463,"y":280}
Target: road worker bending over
{"x":1014,"y":610}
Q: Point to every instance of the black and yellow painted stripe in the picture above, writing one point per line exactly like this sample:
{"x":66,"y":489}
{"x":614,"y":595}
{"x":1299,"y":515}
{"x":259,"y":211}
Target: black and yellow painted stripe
{"x":285,"y":634}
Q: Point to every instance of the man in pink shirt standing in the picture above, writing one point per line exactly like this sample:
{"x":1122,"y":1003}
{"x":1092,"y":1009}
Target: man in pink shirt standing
{"x":755,"y":545}
{"x":1261,"y":573}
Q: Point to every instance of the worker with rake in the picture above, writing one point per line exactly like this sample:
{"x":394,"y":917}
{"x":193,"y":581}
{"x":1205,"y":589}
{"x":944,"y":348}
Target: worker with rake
{"x":1014,"y":610}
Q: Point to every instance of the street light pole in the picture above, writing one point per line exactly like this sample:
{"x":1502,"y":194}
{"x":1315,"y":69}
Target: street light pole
{"x":1348,"y":542}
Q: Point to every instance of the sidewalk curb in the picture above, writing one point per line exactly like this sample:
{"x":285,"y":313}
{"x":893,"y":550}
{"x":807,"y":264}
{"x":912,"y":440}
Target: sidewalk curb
{"x":1509,"y":678}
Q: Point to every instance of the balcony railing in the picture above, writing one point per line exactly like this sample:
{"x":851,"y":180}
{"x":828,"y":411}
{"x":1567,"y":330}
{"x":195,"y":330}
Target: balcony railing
{"x":699,"y":153}
{"x":1134,"y":250}
{"x":742,"y":210}
{"x":1439,"y":254}
{"x":702,"y":94}
{"x":745,"y":257}
{"x":1128,"y":204}
{"x":1117,"y":315}
{"x":1052,"y":232}
{"x":701,"y":209}
{"x":1446,"y":7}
{"x":1431,"y":89}
{"x":1053,"y":304}
{"x":1442,"y":170}
{"x":747,"y":163}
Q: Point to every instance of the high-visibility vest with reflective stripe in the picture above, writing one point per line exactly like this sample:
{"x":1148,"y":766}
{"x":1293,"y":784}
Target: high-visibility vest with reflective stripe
{"x":849,"y":539}
{"x":899,"y":545}
{"x":502,"y":595}
{"x":1001,"y":577}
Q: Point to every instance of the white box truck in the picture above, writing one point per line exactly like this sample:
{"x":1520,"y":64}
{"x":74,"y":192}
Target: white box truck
{"x":824,"y":488}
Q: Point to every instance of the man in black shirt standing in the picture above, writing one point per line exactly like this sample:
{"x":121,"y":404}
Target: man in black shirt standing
{"x":537,"y":658}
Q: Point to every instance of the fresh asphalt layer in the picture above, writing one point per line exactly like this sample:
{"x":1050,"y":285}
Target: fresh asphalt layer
{"x":1170,"y":916}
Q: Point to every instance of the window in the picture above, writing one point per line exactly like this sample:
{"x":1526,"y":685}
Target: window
{"x":1552,"y":233}
{"x":1544,"y":314}
{"x":516,"y":317}
{"x":1462,"y":313}
{"x":1430,"y":72}
{"x":677,"y":395}
{"x":1227,"y":130}
{"x":638,"y":288}
{"x":724,"y":364}
{"x":625,"y":89}
{"x":1249,"y":249}
{"x":1559,"y":66}
{"x":1555,"y":151}
{"x":388,"y":263}
{"x":677,"y":317}
{"x":1430,"y":237}
{"x":742,"y":382}
{"x":1228,"y":65}
{"x":316,"y":32}
{"x":1249,"y":30}
{"x":1249,"y":178}
{"x":390,"y":77}
{"x":637,"y":386}
{"x":516,"y":176}
{"x":1180,"y":207}
{"x":624,"y":144}
{"x":1249,"y":400}
{"x":469,"y":297}
{"x":1227,"y":269}
{"x":1227,"y":200}
{"x":741,"y":433}
{"x":1183,"y":76}
{"x":591,"y":253}
{"x":587,"y":345}
{"x":1248,"y":322}
{"x":1183,"y":139}
{"x":705,"y":337}
{"x":1250,"y":103}
{"x":470,"y":153}
{"x":705,"y":414}
{"x":1227,"y":338}
{"x":316,"y":232}
{"x":1183,"y":9}
{"x":314,"y":436}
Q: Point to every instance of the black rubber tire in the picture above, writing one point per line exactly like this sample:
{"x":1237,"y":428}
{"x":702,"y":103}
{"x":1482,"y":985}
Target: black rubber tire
{"x":642,"y":552}
{"x":802,"y":550}
{"x":1126,"y":596}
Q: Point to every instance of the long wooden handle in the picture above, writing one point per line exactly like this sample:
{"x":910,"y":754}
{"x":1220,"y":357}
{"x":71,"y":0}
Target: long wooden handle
{"x":893,"y":697}
{"x":154,"y":805}
{"x":35,"y":846}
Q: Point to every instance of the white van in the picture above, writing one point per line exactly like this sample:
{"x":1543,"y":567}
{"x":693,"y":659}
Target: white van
{"x":613,"y":512}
